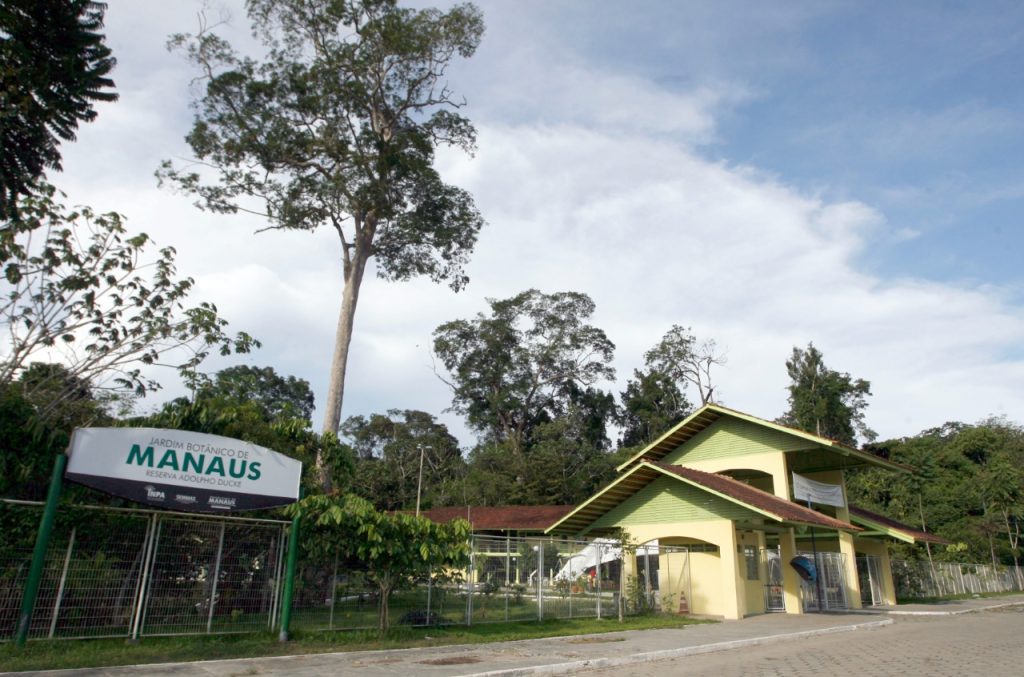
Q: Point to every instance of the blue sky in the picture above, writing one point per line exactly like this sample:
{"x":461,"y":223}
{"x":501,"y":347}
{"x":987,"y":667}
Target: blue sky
{"x":767,"y":173}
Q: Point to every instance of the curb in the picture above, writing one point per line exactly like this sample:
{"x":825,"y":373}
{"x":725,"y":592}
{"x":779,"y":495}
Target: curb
{"x":599,"y":663}
{"x":954,"y":613}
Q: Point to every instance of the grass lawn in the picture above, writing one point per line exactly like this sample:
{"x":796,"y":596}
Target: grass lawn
{"x":48,"y":655}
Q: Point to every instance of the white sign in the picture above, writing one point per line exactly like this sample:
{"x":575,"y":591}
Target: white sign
{"x":182,"y":470}
{"x":806,"y":489}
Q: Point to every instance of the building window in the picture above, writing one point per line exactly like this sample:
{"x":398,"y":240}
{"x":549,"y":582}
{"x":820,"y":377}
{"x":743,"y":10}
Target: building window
{"x":750,"y":557}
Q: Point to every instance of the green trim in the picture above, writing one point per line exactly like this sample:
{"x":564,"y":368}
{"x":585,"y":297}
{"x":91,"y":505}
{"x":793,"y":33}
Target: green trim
{"x":882,"y":529}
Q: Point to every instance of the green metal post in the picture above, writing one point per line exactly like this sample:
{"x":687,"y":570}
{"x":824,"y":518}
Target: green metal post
{"x":289,"y":580}
{"x":35,"y":572}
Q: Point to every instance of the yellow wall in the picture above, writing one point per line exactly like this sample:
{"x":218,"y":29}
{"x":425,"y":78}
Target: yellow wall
{"x":714,"y":577}
{"x":773,"y":464}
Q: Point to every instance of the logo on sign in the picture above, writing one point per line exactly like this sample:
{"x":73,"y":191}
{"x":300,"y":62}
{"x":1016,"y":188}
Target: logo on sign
{"x":182,"y":498}
{"x":221,"y":502}
{"x":154,"y":494}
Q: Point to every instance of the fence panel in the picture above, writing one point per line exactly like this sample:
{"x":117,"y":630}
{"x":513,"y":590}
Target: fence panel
{"x":943,"y":579}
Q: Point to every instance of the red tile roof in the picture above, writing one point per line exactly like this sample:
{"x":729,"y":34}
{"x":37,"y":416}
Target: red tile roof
{"x":520,"y":517}
{"x":916,"y":534}
{"x":744,"y":493}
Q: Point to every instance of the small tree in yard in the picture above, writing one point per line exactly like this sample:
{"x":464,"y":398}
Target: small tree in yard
{"x":394,"y":548}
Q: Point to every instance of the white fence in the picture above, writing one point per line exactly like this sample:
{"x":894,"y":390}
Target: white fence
{"x":915,"y":579}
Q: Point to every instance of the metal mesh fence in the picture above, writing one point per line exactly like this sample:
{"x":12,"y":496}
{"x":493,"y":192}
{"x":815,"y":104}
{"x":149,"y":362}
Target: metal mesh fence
{"x":914,"y":579}
{"x":508,"y":579}
{"x":118,"y":572}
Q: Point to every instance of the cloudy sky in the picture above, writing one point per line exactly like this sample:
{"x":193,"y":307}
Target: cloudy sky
{"x":767,"y":173}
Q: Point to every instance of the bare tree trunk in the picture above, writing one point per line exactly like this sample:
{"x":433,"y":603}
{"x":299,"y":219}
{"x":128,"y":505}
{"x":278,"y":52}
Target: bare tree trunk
{"x":339,"y":360}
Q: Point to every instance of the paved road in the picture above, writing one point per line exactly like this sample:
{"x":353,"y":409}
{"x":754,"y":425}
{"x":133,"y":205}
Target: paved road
{"x":989,"y":643}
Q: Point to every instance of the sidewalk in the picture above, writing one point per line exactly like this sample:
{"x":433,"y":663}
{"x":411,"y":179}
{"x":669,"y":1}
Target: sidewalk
{"x":552,"y":656}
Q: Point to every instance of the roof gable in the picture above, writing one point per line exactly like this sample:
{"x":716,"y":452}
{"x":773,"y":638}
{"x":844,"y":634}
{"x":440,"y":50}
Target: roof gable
{"x":666,"y":499}
{"x":728,"y":436}
{"x":709,"y":414}
{"x":586,"y":516}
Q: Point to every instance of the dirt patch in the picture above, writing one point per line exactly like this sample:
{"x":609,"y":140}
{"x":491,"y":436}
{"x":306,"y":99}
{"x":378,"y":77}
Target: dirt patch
{"x":451,"y":660}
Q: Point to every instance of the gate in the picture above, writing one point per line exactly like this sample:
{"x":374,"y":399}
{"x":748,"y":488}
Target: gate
{"x":831,"y":567}
{"x":774,"y":597}
{"x":869,"y":572}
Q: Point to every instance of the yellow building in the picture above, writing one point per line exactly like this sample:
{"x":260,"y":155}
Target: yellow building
{"x":717,"y":490}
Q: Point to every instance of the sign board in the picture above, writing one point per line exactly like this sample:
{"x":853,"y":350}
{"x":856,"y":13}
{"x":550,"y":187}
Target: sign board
{"x":806,"y":489}
{"x":180,"y":470}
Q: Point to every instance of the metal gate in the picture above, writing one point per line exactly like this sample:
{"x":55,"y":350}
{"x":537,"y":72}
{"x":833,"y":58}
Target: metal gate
{"x":831,"y":567}
{"x":869,"y":572}
{"x":774,"y":597}
{"x":119,"y":572}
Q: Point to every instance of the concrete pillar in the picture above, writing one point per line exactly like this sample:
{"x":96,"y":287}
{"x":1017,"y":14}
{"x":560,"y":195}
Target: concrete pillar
{"x":888,"y":586}
{"x":850,"y":569}
{"x":790,"y":578}
{"x":734,"y":604}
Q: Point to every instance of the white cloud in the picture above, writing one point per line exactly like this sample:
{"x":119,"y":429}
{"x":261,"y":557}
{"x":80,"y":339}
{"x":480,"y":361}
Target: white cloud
{"x":590,"y":181}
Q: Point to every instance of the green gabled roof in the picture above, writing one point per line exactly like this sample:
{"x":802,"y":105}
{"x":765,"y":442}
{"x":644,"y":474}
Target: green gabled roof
{"x":704,"y":417}
{"x":640,"y":475}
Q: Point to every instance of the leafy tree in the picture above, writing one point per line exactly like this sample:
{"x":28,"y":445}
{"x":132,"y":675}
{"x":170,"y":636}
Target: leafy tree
{"x":389,"y":449}
{"x":53,"y":67}
{"x":966,"y":487}
{"x":74,"y":291}
{"x":338,"y":128}
{"x":278,"y":396}
{"x":679,"y":357}
{"x":257,"y":410}
{"x":823,"y":401}
{"x":394,"y":549}
{"x":651,"y":404}
{"x":532,"y":360}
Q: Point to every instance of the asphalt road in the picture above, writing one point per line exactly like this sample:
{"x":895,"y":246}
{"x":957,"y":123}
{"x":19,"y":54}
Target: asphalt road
{"x":989,"y":643}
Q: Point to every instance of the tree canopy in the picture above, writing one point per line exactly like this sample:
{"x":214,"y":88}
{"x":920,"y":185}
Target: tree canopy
{"x":824,"y":401}
{"x":523,"y":375}
{"x":337,"y":127}
{"x":79,"y":289}
{"x":53,"y":68}
{"x":967,"y":487}
{"x":389,"y":449}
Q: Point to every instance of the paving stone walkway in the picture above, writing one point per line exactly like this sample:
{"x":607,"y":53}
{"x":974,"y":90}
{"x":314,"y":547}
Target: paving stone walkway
{"x":972,"y":637}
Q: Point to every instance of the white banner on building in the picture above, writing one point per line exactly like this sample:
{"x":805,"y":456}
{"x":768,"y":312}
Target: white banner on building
{"x":806,"y":489}
{"x":181,"y":470}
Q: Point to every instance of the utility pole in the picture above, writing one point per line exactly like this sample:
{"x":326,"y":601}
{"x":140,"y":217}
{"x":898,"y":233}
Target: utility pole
{"x":419,"y":483}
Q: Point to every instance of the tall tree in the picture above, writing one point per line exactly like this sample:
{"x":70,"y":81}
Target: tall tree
{"x":403,"y":455}
{"x":338,"y":128}
{"x":651,"y":404}
{"x":529,"y":362}
{"x":53,"y":68}
{"x":681,"y":358}
{"x":823,"y":401}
